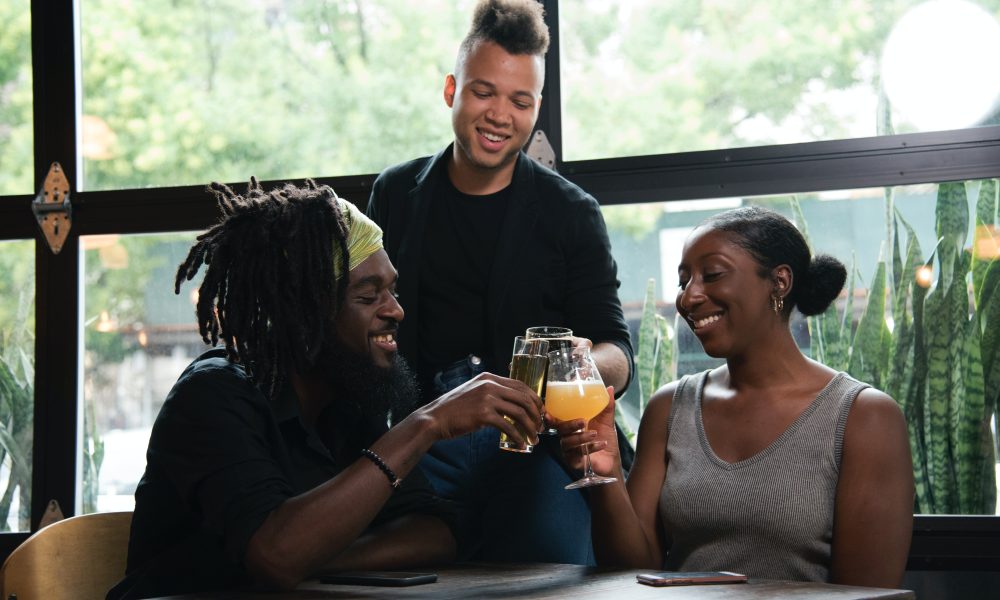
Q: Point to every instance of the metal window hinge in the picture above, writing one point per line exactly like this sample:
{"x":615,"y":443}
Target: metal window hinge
{"x":52,"y":208}
{"x":541,"y":150}
{"x":53,"y":513}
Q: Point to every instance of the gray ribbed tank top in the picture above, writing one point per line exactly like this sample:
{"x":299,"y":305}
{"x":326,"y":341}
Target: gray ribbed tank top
{"x":768,"y":516}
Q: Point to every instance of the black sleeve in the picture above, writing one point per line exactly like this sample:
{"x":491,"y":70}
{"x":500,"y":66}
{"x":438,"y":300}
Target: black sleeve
{"x":374,"y":208}
{"x":215,"y":440}
{"x":378,"y":202}
{"x":384,"y":209}
{"x":592,"y":304}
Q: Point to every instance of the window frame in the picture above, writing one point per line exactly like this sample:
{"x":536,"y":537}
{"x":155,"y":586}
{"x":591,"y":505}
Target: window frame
{"x":940,"y":542}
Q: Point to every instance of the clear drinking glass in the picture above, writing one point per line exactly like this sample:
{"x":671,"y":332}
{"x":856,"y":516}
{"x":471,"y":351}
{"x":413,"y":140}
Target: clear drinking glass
{"x":576,"y":391}
{"x":558,"y":338}
{"x":528,"y":363}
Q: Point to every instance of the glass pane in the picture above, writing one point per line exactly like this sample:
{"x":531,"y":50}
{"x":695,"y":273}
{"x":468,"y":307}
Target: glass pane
{"x":16,"y":130}
{"x":17,"y":381}
{"x":225,"y":89}
{"x":138,"y":336}
{"x":851,"y":225}
{"x":654,"y":76}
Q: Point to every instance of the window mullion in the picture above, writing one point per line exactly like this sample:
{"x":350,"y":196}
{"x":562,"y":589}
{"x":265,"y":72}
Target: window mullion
{"x":550,"y":113}
{"x":54,"y":72}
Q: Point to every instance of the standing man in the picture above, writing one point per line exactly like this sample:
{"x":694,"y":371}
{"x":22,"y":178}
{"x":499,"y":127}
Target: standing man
{"x":488,"y":242}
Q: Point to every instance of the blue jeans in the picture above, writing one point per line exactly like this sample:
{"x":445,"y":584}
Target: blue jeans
{"x":511,"y":507}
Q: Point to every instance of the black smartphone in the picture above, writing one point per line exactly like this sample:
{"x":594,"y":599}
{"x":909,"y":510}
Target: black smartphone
{"x":380,"y":578}
{"x":690,"y":578}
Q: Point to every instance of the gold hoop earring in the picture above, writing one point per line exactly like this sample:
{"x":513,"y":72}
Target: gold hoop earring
{"x":777,"y":304}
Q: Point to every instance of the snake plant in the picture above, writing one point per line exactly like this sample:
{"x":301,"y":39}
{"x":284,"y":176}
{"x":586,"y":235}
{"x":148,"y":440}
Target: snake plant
{"x":939,"y":358}
{"x":655,"y":363}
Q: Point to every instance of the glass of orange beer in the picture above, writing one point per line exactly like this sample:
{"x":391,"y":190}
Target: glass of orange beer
{"x":575,"y":390}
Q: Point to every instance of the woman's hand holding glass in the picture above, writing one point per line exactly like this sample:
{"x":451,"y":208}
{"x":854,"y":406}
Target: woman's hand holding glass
{"x":598,"y":435}
{"x":558,"y":338}
{"x":576,"y":394}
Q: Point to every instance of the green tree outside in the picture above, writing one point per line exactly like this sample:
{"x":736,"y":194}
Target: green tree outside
{"x":16,"y":131}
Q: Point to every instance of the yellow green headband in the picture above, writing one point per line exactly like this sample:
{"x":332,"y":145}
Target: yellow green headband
{"x":364,"y":237}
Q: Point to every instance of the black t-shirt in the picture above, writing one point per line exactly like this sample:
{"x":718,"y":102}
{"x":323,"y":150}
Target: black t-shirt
{"x":455,"y":273}
{"x":221,"y":457}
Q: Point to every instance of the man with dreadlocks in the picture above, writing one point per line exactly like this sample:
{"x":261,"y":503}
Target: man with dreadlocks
{"x":271,"y":458}
{"x":488,"y":242}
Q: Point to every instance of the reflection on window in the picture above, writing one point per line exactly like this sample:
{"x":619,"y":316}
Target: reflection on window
{"x":17,"y":382}
{"x":16,"y":134}
{"x":653,"y":77}
{"x":225,"y":89}
{"x":138,"y":337}
{"x":852,"y":226}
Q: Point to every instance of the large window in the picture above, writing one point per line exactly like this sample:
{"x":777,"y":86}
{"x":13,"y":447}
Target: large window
{"x":15,"y":97}
{"x":138,"y":337}
{"x":225,"y":89}
{"x":652,"y":77}
{"x":687,"y":108}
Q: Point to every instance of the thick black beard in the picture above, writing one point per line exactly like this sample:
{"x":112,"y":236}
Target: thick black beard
{"x":377,"y":393}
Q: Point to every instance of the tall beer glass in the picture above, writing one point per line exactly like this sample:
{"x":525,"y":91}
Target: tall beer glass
{"x":576,"y":391}
{"x":528,"y":363}
{"x":559,"y":338}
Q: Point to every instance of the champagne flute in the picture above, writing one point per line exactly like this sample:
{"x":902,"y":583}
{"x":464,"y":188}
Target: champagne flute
{"x":558,"y":338}
{"x":576,"y":391}
{"x":528,"y":363}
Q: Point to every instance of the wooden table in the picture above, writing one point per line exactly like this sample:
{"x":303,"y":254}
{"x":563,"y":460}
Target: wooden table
{"x":552,"y":581}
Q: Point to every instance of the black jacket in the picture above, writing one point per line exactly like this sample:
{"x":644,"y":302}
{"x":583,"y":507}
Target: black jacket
{"x":553,"y":240}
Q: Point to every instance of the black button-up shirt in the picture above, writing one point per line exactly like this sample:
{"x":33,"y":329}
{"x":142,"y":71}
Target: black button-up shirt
{"x":221,"y":457}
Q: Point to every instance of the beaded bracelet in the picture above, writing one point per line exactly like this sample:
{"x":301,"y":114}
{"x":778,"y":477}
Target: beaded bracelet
{"x":389,"y":473}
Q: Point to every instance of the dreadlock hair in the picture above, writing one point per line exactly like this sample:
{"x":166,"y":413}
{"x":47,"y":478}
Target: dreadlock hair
{"x":270,"y":288}
{"x":517,"y":26}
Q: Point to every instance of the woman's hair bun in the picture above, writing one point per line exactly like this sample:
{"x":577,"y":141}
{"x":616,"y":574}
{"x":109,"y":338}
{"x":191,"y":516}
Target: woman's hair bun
{"x":825,"y":278}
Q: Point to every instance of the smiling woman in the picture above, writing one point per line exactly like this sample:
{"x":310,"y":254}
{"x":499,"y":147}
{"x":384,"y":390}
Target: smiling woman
{"x":806,"y":470}
{"x":870,"y":330}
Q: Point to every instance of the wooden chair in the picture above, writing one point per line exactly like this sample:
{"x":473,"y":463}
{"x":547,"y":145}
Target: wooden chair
{"x":78,"y":558}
